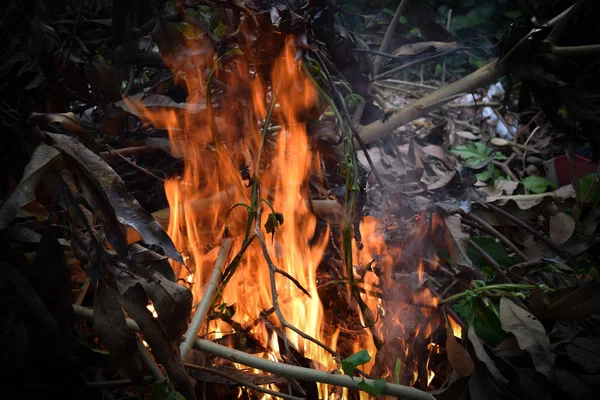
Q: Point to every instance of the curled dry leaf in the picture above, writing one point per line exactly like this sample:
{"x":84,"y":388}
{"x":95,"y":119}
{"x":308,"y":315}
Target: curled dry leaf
{"x":530,"y":334}
{"x":576,"y":305}
{"x":43,"y":160}
{"x":422,"y":47}
{"x":134,"y":300}
{"x":67,"y":120}
{"x":112,"y":330}
{"x":112,"y":189}
{"x":458,"y":356}
{"x":483,"y":356}
{"x":132,"y":104}
{"x":562,"y":226}
{"x":460,"y":239}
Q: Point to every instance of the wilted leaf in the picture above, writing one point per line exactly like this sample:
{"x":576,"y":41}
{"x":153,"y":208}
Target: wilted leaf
{"x":579,"y":304}
{"x":537,"y":184}
{"x":67,"y":120}
{"x":585,"y":351}
{"x":134,"y":301}
{"x":349,"y":364}
{"x":43,"y":159}
{"x":113,"y":332}
{"x":113,"y":191}
{"x":138,"y":104}
{"x":421,"y":47}
{"x":458,"y":356}
{"x":483,"y":356}
{"x":460,"y":239}
{"x":530,"y":334}
{"x":562,"y":226}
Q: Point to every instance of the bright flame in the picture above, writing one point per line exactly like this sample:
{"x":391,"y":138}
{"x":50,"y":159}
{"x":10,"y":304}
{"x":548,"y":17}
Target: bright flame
{"x":217,"y":145}
{"x":456,"y":328}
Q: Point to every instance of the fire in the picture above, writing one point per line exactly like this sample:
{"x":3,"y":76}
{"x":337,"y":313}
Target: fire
{"x":226,"y":138}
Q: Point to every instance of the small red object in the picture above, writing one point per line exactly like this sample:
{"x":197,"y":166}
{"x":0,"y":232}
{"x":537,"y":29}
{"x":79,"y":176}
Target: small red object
{"x":558,"y":169}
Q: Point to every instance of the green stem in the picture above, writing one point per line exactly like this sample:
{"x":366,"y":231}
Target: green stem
{"x":501,"y":286}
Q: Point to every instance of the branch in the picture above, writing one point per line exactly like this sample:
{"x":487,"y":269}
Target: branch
{"x":567,"y":51}
{"x":284,"y":370}
{"x":207,"y":298}
{"x":432,"y":101}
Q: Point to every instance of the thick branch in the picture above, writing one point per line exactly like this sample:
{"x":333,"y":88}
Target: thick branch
{"x":432,"y":101}
{"x":284,"y":370}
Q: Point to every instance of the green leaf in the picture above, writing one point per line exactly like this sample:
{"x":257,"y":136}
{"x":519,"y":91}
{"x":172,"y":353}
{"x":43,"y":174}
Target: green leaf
{"x":512,"y":14}
{"x":472,"y":153}
{"x":349,"y":364}
{"x":374,"y":388}
{"x":487,"y":322}
{"x":537,"y":184}
{"x":273,"y":221}
{"x":584,"y":186}
{"x":494,"y":249}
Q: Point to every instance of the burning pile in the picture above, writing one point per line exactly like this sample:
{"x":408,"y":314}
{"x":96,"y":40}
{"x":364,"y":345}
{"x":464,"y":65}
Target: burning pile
{"x":286,"y":296}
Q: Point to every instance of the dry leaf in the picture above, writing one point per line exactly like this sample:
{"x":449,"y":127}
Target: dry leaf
{"x":458,"y":356}
{"x":562,"y":226}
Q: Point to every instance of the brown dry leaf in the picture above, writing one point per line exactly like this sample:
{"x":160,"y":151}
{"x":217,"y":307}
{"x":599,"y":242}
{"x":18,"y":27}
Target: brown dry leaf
{"x":45,"y":120}
{"x":422,"y":47}
{"x":458,"y":356}
{"x":460,"y":239}
{"x":562,"y":226}
{"x":585,"y":351}
{"x":579,"y":304}
{"x":43,"y":160}
{"x":483,"y":356}
{"x":132,"y":104}
{"x":530,"y":334}
{"x":527,"y":201}
{"x":498,"y":189}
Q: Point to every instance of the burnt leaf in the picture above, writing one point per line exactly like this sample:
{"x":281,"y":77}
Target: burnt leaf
{"x":483,"y":356}
{"x":43,"y":160}
{"x":134,"y":300}
{"x":114,"y":193}
{"x":148,"y":259}
{"x":273,"y":221}
{"x":112,"y":330}
{"x":530,"y":334}
{"x":172,"y":302}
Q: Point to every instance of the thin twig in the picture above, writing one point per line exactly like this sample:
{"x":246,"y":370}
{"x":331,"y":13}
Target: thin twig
{"x":527,"y":142}
{"x":570,"y":51}
{"x":389,"y":33}
{"x":207,"y":298}
{"x":116,"y":384}
{"x":149,"y":361}
{"x":494,"y":232}
{"x":242,"y":382}
{"x":281,"y":369}
{"x":531,"y":230}
{"x":499,"y":272}
{"x":407,"y":83}
{"x":127,"y":151}
{"x":144,"y":170}
{"x":444,"y":62}
{"x":419,"y":61}
{"x":275,"y":295}
{"x":83,"y":290}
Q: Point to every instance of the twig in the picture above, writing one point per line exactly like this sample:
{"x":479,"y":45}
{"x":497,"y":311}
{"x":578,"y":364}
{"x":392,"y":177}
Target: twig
{"x":242,"y":382}
{"x":144,"y":170}
{"x":275,"y":295}
{"x":524,"y":266}
{"x":569,"y":51}
{"x":389,"y":33}
{"x":534,"y":232}
{"x":499,"y":272}
{"x":128,"y":151}
{"x":527,"y":142}
{"x":506,"y":166}
{"x":116,"y":384}
{"x":419,"y":61}
{"x":281,"y":369}
{"x":561,"y":21}
{"x":494,"y":232}
{"x":149,"y":361}
{"x":415,"y":84}
{"x":444,"y":62}
{"x":207,"y":298}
